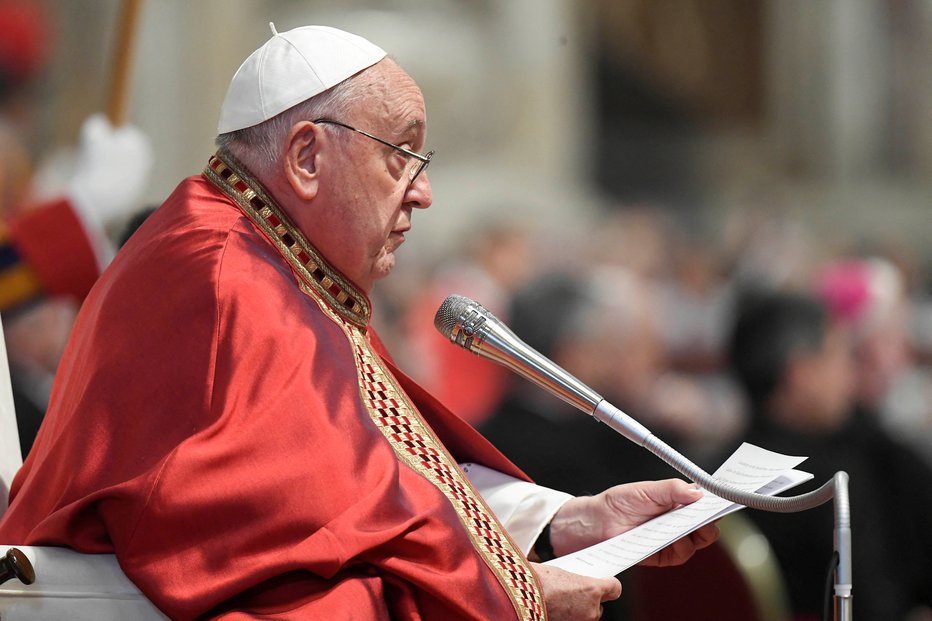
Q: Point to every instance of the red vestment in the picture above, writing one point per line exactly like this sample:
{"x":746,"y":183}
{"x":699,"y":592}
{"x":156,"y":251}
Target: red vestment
{"x":225,"y":421}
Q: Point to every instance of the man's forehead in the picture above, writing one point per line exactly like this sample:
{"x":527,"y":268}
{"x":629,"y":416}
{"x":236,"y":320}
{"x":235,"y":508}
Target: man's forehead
{"x":407,"y":106}
{"x":401,"y":110}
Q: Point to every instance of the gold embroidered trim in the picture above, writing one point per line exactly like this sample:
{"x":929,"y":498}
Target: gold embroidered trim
{"x":340,"y":294}
{"x":415,"y":445}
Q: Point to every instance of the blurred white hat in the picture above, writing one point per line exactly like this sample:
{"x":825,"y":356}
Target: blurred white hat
{"x":292,"y":67}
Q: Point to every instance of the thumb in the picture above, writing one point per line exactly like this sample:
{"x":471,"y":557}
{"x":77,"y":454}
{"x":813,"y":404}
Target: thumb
{"x":610,"y":589}
{"x":673,"y":492}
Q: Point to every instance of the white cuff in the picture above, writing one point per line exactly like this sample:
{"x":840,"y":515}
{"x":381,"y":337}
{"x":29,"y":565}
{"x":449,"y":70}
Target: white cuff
{"x":523,"y":508}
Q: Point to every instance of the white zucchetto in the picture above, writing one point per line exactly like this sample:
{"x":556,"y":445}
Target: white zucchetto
{"x":292,"y":67}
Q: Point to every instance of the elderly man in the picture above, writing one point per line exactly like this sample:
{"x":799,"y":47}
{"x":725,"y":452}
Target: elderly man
{"x":228,"y":423}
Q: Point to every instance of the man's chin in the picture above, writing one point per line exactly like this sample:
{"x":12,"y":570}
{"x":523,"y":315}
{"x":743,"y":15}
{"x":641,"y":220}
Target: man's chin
{"x":383,"y":266}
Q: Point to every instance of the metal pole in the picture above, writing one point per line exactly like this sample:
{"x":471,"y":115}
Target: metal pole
{"x":842,"y":596}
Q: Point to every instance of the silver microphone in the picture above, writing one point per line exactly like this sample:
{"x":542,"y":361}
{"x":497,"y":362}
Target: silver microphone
{"x":471,"y":326}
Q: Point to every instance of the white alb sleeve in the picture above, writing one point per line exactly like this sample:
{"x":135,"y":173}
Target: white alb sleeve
{"x":523,"y":508}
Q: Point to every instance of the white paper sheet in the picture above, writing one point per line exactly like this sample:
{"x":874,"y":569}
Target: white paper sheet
{"x":748,"y":468}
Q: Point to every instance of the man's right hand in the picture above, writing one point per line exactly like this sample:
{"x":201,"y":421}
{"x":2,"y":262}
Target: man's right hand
{"x":570,"y":597}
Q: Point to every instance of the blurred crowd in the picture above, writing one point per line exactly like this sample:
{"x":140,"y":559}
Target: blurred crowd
{"x":60,"y":210}
{"x":758,"y":330}
{"x":640,"y":306}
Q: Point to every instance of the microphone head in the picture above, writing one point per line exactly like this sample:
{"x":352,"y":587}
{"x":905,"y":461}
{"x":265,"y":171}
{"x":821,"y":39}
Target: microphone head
{"x":452,"y":308}
{"x":465,"y":322}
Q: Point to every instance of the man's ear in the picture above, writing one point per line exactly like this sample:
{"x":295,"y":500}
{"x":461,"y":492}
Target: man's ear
{"x":301,"y":161}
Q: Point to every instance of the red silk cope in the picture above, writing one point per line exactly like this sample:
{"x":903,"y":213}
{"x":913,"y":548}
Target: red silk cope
{"x":207,"y":426}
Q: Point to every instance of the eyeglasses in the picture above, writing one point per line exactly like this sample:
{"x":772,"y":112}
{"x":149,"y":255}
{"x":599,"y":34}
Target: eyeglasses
{"x":422,"y":160}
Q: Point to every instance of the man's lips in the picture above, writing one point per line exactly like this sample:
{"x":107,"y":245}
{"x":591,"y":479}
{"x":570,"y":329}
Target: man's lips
{"x":396,"y":238}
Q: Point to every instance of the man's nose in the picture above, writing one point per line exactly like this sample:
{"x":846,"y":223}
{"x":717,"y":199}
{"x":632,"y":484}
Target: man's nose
{"x":419,"y":194}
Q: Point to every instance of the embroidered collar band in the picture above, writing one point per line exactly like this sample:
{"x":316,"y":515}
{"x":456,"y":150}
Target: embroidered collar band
{"x":309,"y":265}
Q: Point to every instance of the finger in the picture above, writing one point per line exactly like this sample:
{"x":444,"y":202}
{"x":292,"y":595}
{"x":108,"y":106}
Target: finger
{"x":612,"y":590}
{"x":680,"y":551}
{"x":685,"y":493}
{"x":684,"y":548}
{"x":672,"y":492}
{"x":705,"y":536}
{"x":676,"y":553}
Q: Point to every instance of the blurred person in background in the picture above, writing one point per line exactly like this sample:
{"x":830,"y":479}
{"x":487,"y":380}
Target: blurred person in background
{"x":870,"y":296}
{"x":543,"y":435}
{"x":602,"y":328}
{"x":53,"y":240}
{"x":910,"y":406}
{"x":769,"y":248}
{"x":794,"y":361}
{"x":635,"y":237}
{"x":676,"y":282}
{"x":696,"y":303}
{"x":495,"y":262}
{"x":552,"y":441}
{"x":24,"y":52}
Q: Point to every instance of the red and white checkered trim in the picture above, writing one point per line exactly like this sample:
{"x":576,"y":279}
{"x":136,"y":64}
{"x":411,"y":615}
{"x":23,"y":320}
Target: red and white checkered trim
{"x":416,"y":445}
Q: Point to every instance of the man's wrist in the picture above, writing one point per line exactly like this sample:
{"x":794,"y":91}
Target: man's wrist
{"x":543,"y":548}
{"x":573,"y":526}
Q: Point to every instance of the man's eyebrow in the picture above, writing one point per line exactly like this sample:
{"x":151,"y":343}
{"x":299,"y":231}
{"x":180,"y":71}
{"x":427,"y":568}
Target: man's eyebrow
{"x":413,"y":126}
